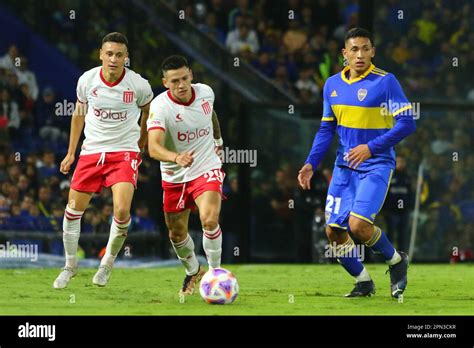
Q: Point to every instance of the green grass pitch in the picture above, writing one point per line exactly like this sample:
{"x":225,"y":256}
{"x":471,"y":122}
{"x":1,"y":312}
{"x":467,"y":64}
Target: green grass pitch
{"x":264,"y":290}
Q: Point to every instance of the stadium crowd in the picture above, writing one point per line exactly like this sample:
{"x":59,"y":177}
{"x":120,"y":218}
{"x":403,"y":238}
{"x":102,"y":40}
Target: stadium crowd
{"x":298,"y":55}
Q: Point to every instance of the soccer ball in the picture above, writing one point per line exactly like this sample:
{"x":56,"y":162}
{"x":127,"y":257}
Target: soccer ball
{"x":219,"y":286}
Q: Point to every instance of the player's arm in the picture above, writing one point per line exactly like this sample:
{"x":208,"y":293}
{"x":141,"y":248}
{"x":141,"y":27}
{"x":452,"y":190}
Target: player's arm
{"x":321,"y":143}
{"x":143,"y":127}
{"x":218,"y":142}
{"x":215,"y":126}
{"x":157,"y":151}
{"x":77,"y":125}
{"x":405,"y":125}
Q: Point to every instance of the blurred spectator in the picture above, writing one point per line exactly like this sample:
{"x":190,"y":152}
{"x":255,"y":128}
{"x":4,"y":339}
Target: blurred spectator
{"x":210,"y":28}
{"x":8,"y":60}
{"x":44,"y":201}
{"x":28,"y":77}
{"x":47,"y":167}
{"x":141,"y":219}
{"x":398,"y":205}
{"x":9,"y":116}
{"x":242,"y":9}
{"x":265,"y":64}
{"x":49,"y":124}
{"x":295,"y":37}
{"x":242,"y":38}
{"x":308,"y":90}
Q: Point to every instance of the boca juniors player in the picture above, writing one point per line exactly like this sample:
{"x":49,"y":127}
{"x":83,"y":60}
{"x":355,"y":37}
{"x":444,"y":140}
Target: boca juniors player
{"x":367,"y":108}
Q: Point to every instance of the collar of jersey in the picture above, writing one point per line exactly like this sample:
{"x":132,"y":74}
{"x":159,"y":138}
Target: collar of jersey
{"x":346,"y":80}
{"x":193,"y":96}
{"x":107,"y":83}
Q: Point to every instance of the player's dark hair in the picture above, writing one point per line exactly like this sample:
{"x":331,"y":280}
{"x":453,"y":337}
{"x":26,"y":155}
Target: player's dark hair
{"x":173,"y":63}
{"x":359,"y":32}
{"x":115,"y":37}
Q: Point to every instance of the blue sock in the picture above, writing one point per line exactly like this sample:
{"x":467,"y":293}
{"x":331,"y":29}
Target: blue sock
{"x":348,"y":258}
{"x":380,"y":244}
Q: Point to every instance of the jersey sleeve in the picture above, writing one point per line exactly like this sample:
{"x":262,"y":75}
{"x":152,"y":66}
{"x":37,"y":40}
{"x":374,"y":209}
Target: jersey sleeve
{"x":207,"y":91}
{"x":145,"y":93}
{"x":81,"y":89}
{"x":398,"y":104}
{"x":328,"y":114}
{"x":157,"y":117}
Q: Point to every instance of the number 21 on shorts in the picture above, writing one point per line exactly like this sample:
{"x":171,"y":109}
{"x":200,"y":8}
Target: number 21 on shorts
{"x":330,"y":202}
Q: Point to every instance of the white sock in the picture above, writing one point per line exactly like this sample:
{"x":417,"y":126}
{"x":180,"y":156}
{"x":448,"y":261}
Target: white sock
{"x":118,"y":233}
{"x":71,"y":232}
{"x":212,"y":245}
{"x":364,"y":276}
{"x":185,"y":252}
{"x":396,"y":258}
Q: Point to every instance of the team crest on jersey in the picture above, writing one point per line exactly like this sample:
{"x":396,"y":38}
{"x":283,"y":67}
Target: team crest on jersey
{"x":128,"y":97}
{"x":361,"y":94}
{"x":206,"y":107}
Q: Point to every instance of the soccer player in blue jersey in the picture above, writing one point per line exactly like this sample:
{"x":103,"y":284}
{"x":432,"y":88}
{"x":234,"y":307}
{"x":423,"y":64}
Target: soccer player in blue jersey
{"x":361,"y":103}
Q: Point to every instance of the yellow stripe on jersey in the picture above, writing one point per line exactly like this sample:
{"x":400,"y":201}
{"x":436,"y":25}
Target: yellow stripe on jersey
{"x":380,"y":71}
{"x":362,"y":217}
{"x":401,"y":110}
{"x":327,"y":119}
{"x":362,"y":117}
{"x":360,"y":77}
{"x":377,"y":73}
{"x":338,"y":226}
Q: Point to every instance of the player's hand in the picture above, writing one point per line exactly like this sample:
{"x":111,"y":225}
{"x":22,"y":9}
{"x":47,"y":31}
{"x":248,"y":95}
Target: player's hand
{"x":304,"y":176}
{"x":185,"y":159}
{"x":219,"y":151}
{"x":66,"y":164}
{"x":357,"y":155}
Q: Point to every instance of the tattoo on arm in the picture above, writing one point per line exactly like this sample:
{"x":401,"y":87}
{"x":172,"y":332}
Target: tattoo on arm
{"x":216,"y":126}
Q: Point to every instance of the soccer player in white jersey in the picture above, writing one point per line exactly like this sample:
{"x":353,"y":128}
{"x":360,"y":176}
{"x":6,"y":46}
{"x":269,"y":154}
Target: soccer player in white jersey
{"x":110,"y":100}
{"x":184,"y":134}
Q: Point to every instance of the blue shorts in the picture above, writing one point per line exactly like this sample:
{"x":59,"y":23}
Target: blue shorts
{"x":356,"y":193}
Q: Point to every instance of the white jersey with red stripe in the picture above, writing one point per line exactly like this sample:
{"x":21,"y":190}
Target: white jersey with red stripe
{"x":187,"y":127}
{"x":113,"y":110}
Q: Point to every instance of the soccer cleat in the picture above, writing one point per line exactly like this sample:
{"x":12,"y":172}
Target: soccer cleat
{"x":64,"y":277}
{"x":362,"y":289}
{"x":191,"y":282}
{"x":398,"y":276}
{"x":101,"y":278}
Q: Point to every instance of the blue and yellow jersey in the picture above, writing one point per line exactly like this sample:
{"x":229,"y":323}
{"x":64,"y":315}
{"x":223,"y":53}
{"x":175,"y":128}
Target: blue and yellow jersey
{"x":364,"y":109}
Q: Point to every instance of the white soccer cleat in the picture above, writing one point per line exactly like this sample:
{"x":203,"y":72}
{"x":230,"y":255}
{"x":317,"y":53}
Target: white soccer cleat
{"x":64,"y":277}
{"x":102,"y":276}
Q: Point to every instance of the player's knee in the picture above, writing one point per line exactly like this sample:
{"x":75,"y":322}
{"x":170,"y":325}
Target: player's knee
{"x":360,"y":228}
{"x":121,"y":214}
{"x":336,"y":234}
{"x":329,"y":232}
{"x":209,"y":222}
